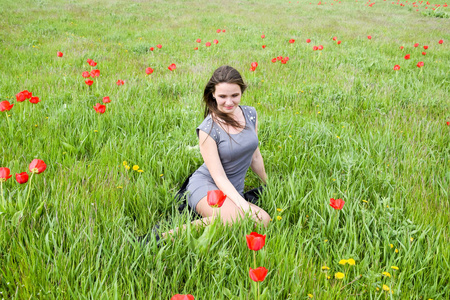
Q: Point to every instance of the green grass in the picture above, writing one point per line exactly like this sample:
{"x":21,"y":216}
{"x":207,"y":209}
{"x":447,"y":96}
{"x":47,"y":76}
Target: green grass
{"x":336,"y":123}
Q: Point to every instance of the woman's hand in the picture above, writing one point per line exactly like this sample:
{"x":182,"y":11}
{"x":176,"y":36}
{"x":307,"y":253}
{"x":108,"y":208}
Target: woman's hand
{"x":253,"y":212}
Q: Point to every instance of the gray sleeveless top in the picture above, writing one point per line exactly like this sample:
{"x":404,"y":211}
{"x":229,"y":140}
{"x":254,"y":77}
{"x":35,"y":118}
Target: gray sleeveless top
{"x":235,"y":154}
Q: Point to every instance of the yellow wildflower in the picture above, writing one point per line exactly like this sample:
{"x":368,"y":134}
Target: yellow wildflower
{"x":325,"y":268}
{"x":95,"y":130}
{"x":386,"y":274}
{"x":135,"y":167}
{"x":125,"y":163}
{"x":279,"y":209}
{"x":411,"y":239}
{"x":120,"y":187}
{"x":385,"y":287}
{"x":326,"y":241}
{"x":127,"y":167}
{"x":161,"y":175}
{"x":279,"y":218}
{"x":365,"y":201}
{"x":392,"y":246}
{"x":343,"y":262}
{"x":140,"y":171}
{"x":378,"y":289}
{"x":396,"y":250}
{"x":351,"y":261}
{"x":394,"y":267}
{"x":310,"y":295}
{"x":339,"y":275}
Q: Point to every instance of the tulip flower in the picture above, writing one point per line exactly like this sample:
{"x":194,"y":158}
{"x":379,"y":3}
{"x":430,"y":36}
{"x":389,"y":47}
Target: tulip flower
{"x":20,"y":97}
{"x":284,"y":60}
{"x":279,"y":57}
{"x":424,"y":53}
{"x":4,"y":174}
{"x":420,"y":64}
{"x":89,"y":61}
{"x":254,"y":64}
{"x":291,"y":41}
{"x":198,"y":40}
{"x":182,"y":297}
{"x":223,"y":30}
{"x":441,"y":42}
{"x":151,"y":48}
{"x":95,"y":73}
{"x":22,"y":177}
{"x":106,"y":99}
{"x":218,"y":30}
{"x":448,"y":123}
{"x":425,"y":47}
{"x":369,"y":37}
{"x":37,"y":166}
{"x":216,"y":42}
{"x":215,"y":198}
{"x":207,"y":44}
{"x":258,"y":274}
{"x":159,"y":46}
{"x":120,"y":82}
{"x":407,"y":56}
{"x":263,"y":36}
{"x":308,"y":41}
{"x":59,"y":54}
{"x":416,"y":45}
{"x":35,"y":100}
{"x":338,"y":42}
{"x":99,"y":108}
{"x":149,"y":71}
{"x":172,"y":67}
{"x":401,"y":47}
{"x":255,"y":241}
{"x":337,"y":203}
{"x":320,"y":47}
{"x":274,"y":60}
{"x":334,"y":38}
{"x":92,"y":63}
{"x":263,"y":46}
{"x":86,"y":74}
{"x":315,"y":48}
{"x":396,"y":67}
{"x":196,"y":48}
{"x":5,"y":106}
{"x":89,"y":82}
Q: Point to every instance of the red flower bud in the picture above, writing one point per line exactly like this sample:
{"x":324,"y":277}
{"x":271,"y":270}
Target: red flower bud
{"x":258,"y":274}
{"x":255,"y":241}
{"x":215,"y":198}
{"x":22,"y":177}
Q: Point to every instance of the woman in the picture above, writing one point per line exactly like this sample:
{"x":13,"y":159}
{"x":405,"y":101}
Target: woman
{"x":229,"y":146}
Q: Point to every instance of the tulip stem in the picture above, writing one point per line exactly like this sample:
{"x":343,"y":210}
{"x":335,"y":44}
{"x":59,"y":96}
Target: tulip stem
{"x":254,"y":258}
{"x":258,"y":290}
{"x":9,"y":124}
{"x":1,"y":191}
{"x":29,"y":191}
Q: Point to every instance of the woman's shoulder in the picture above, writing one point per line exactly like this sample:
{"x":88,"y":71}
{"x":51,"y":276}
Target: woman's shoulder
{"x":209,"y":127}
{"x":250,"y":113}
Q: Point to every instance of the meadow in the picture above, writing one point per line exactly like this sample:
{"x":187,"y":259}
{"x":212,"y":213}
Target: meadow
{"x":333,"y":123}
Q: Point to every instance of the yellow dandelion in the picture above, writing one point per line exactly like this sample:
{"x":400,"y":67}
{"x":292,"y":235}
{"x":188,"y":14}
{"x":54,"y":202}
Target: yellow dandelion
{"x":325,"y":268}
{"x":318,"y":112}
{"x":279,"y":218}
{"x":127,"y":167}
{"x":378,"y":289}
{"x":351,"y":261}
{"x":310,"y":296}
{"x":35,"y":125}
{"x":125,"y":163}
{"x":296,"y":112}
{"x":338,"y":137}
{"x":387,"y":206}
{"x":46,"y":118}
{"x":120,"y":187}
{"x":135,"y":167}
{"x":271,"y":219}
{"x":279,"y":209}
{"x":339,"y":275}
{"x":392,"y":246}
{"x":396,"y":250}
{"x":95,"y":130}
{"x":326,"y":241}
{"x":386,"y":288}
{"x":161,"y":175}
{"x":394,"y":267}
{"x":328,"y":277}
{"x":343,"y":262}
{"x":411,"y":239}
{"x":140,"y":171}
{"x":365,"y":201}
{"x":290,"y":136}
{"x":259,"y":102}
{"x":386,"y":274}
{"x":334,"y":179}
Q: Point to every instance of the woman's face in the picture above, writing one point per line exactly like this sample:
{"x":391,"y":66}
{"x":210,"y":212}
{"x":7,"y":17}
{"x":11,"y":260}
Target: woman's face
{"x":228,"y":97}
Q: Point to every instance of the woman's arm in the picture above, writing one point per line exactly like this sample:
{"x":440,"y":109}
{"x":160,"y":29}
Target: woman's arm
{"x":210,"y":154}
{"x":257,"y":160}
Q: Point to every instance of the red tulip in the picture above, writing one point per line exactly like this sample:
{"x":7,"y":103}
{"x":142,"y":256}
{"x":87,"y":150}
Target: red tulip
{"x":339,"y":42}
{"x":196,"y":48}
{"x":308,"y":41}
{"x":95,"y":73}
{"x":5,"y":106}
{"x":88,"y":82}
{"x":35,"y":100}
{"x":151,"y":48}
{"x":441,"y":42}
{"x":99,"y":108}
{"x":407,"y":56}
{"x":172,"y":67}
{"x":416,"y":45}
{"x":106,"y":99}
{"x":337,"y":203}
{"x":59,"y":54}
{"x":255,"y":241}
{"x":315,"y":48}
{"x":396,"y":67}
{"x":4,"y":174}
{"x":264,"y":46}
{"x":159,"y":46}
{"x":86,"y":74}
{"x":369,"y":37}
{"x":274,"y":60}
{"x":258,"y":274}
{"x":120,"y":82}
{"x":279,"y":57}
{"x":223,"y":30}
{"x":89,"y":61}
{"x":208,"y":44}
{"x":182,"y":297}
{"x":284,"y":60}
{"x":291,"y":41}
{"x":252,"y":69}
{"x":254,"y":64}
{"x":218,"y":30}
{"x":198,"y":40}
{"x":334,"y":38}
{"x":420,"y":64}
{"x":20,"y":97}
{"x":22,"y":177}
{"x":424,"y":53}
{"x":215,"y":198}
{"x":37,"y":166}
{"x":149,"y":71}
{"x":448,"y":123}
{"x":216,"y":42}
{"x":425,"y":47}
{"x":320,"y":47}
{"x":401,"y":47}
{"x":27,"y":94}
{"x":92,"y":63}
{"x":263,"y":36}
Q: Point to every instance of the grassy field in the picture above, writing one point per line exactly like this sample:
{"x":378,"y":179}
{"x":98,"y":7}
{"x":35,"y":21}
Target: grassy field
{"x":333,"y":123}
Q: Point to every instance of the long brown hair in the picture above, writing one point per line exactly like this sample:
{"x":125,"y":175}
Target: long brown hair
{"x":222,"y":74}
